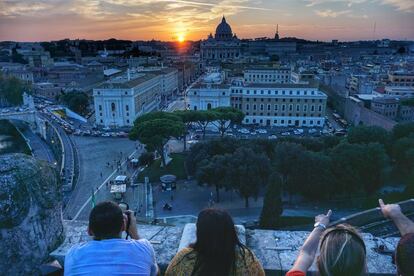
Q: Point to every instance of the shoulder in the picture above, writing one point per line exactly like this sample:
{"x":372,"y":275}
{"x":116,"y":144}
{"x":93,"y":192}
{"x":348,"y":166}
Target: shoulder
{"x":143,"y":245}
{"x":247,"y":259}
{"x":182,"y":263}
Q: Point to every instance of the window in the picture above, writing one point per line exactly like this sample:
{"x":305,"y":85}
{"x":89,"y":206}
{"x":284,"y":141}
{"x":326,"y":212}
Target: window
{"x":127,"y":108}
{"x":297,"y":107}
{"x":127,"y":114}
{"x":100,"y":114}
{"x":282,"y":121}
{"x":290,"y":107}
{"x":247,"y":106}
{"x":195,"y":107}
{"x":305,"y":108}
{"x":100,"y":107}
{"x":268,"y":107}
{"x":195,"y":92}
{"x":224,"y":93}
{"x":113,"y":106}
{"x":254,"y":107}
{"x":320,"y":108}
{"x":312,"y":108}
{"x":101,"y":119}
{"x":275,"y":121}
{"x":275,"y":107}
{"x":247,"y":121}
{"x":283,"y":107}
{"x":128,"y":121}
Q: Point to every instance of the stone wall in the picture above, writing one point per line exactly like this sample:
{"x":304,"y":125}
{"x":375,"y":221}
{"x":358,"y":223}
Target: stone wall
{"x":356,"y":114}
{"x":30,"y":214}
{"x":276,"y":250}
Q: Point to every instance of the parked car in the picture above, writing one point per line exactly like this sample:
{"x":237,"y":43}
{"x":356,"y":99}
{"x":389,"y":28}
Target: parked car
{"x":262,"y":131}
{"x":272,"y":137}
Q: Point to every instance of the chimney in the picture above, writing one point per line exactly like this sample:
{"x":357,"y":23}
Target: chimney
{"x":128,"y":74}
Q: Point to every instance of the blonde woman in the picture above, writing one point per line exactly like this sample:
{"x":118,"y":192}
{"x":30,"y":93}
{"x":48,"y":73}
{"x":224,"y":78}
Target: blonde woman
{"x":342,"y":250}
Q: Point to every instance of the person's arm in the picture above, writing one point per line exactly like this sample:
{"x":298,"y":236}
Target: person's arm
{"x":132,"y":230}
{"x":393,"y":212}
{"x":308,"y":251}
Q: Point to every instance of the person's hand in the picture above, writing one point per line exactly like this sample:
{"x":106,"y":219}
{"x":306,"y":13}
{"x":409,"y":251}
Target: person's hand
{"x":132,"y":220}
{"x":389,"y":210}
{"x":324,"y":219}
{"x":132,"y":229}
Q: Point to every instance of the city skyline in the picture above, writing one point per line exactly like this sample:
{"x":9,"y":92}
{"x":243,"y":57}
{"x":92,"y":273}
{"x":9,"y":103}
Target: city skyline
{"x":179,"y":20}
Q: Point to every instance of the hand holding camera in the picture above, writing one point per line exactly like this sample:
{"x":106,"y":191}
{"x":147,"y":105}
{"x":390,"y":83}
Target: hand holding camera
{"x":130,"y":221}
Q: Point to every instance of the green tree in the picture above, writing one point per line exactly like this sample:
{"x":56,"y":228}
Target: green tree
{"x":146,"y":159}
{"x":156,"y":129}
{"x":188,"y":117}
{"x":403,"y":154}
{"x":214,"y":173}
{"x":227,"y":117}
{"x":204,"y":118}
{"x":286,"y":156}
{"x":76,"y":101}
{"x":11,"y":90}
{"x":358,"y":167}
{"x":312,"y":176}
{"x":247,"y":171}
{"x":368,"y":134}
{"x":403,"y":130}
{"x":272,"y":204}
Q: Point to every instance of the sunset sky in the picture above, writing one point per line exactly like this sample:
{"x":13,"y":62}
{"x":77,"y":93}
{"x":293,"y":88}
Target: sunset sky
{"x":29,"y":20}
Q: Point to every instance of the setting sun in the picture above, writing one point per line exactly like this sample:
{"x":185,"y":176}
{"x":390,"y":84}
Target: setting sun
{"x":181,"y":37}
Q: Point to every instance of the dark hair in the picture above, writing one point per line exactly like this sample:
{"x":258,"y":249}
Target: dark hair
{"x":404,"y":255}
{"x":106,"y":220}
{"x":216,"y":244}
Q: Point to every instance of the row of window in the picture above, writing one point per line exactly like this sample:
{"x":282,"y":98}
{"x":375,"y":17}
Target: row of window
{"x":282,"y":122}
{"x":274,"y":92}
{"x":276,"y":100}
{"x":283,"y":114}
{"x":113,"y":107}
{"x":283,"y":107}
{"x":268,"y":76}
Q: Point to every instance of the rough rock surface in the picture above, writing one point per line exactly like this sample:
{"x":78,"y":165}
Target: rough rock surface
{"x":30,"y":214}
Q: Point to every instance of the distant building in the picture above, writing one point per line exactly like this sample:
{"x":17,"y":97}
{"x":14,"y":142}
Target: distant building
{"x":399,"y":91}
{"x":210,"y":92}
{"x":47,"y":90}
{"x":386,"y":106}
{"x":267,"y":75}
{"x":401,"y":78}
{"x":280,"y":104}
{"x":266,"y":104}
{"x":223,"y":46}
{"x":119,"y":101}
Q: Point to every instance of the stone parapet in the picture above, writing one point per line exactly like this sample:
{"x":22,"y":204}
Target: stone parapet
{"x":276,"y":250}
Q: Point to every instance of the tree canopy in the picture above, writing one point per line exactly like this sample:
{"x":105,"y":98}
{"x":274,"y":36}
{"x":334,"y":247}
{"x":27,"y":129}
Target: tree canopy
{"x":11,"y":90}
{"x":76,"y":101}
{"x":155,"y":129}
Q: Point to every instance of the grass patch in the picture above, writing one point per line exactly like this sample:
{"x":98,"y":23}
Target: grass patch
{"x":175,"y":167}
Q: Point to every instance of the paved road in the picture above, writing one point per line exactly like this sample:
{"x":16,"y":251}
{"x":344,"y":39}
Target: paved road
{"x":69,"y":168}
{"x":94,"y":154}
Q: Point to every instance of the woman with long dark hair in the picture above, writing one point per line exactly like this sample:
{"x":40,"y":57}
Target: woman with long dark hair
{"x":217,"y":250}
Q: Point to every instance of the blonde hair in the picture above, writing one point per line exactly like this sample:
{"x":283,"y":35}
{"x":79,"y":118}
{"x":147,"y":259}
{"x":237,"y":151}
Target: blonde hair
{"x":342,"y":252}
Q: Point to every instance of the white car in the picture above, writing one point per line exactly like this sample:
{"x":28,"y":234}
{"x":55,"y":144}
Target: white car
{"x":285,"y":133}
{"x":244,"y":131}
{"x":272,"y":137}
{"x":262,"y":131}
{"x":312,"y":130}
